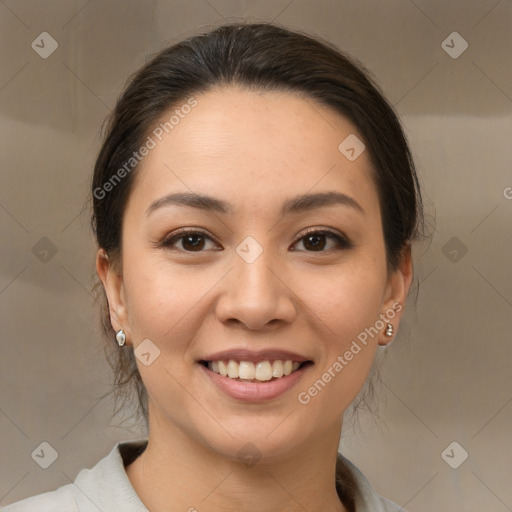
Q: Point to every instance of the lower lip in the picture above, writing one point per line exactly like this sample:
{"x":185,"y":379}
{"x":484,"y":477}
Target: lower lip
{"x":255,"y":391}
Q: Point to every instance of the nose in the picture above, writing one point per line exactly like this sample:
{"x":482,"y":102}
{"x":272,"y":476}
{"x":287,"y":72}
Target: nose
{"x":257,"y":294}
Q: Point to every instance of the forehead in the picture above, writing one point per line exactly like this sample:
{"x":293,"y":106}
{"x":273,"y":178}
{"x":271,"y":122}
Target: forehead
{"x":253,"y":148}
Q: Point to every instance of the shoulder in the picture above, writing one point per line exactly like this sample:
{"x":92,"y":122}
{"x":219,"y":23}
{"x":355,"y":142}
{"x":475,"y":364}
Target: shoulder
{"x":59,"y":500}
{"x":391,"y":506}
{"x":103,"y":487}
{"x":368,"y":500}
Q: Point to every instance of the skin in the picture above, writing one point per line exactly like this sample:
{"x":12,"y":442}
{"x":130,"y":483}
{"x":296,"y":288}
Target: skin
{"x":254,"y":150}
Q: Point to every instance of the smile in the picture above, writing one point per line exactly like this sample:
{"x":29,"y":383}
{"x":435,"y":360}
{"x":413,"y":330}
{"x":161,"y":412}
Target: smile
{"x":255,"y":382}
{"x":248,"y":371}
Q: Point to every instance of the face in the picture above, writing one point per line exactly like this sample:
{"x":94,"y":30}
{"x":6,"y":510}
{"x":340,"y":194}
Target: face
{"x":248,"y":276}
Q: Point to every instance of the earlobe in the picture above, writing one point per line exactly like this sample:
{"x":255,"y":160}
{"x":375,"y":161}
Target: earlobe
{"x":396,"y":295}
{"x":114,"y":289}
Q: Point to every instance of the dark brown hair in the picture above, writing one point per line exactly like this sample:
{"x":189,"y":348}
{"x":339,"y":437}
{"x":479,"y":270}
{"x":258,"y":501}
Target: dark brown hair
{"x":259,"y":56}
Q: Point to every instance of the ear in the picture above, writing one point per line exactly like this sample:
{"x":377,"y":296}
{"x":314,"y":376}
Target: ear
{"x":395,"y":296}
{"x":112,"y":280}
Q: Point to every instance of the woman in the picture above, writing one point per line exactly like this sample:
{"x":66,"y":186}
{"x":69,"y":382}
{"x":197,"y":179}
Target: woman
{"x":254,"y":201}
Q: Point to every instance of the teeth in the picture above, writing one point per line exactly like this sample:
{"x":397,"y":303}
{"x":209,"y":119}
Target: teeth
{"x":277,"y":369}
{"x":247,"y":370}
{"x":232,"y":369}
{"x":222,"y":368}
{"x":263,"y":371}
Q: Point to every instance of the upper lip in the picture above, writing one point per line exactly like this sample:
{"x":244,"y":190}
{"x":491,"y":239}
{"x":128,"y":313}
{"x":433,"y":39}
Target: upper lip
{"x":254,"y":356}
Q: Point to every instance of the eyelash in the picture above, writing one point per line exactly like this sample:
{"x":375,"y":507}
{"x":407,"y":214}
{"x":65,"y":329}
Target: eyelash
{"x":342,"y":241}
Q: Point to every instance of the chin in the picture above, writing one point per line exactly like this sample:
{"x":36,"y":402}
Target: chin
{"x":265,"y":440}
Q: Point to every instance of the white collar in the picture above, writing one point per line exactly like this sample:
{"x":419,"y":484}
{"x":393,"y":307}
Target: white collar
{"x":111,"y":488}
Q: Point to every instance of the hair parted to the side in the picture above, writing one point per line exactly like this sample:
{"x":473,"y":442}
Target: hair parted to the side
{"x":259,"y":56}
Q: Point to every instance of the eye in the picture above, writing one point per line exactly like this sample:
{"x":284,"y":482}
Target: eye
{"x":315,"y":239}
{"x":192,"y":240}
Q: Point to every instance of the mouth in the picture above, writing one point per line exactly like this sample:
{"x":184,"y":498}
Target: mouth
{"x":255,"y":381}
{"x":267,"y":370}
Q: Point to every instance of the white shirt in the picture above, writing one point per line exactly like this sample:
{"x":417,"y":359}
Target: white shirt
{"x":107,"y":488}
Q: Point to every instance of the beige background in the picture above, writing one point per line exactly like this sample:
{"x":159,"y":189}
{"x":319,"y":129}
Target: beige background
{"x":447,"y":376}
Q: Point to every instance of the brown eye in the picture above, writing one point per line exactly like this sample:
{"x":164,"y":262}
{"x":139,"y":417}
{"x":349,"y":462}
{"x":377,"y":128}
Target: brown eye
{"x":314,"y":241}
{"x":191,"y":241}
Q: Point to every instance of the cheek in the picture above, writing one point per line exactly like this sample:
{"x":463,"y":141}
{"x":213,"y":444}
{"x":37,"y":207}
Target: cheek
{"x":163,"y":307}
{"x":346,"y":300}
{"x":160,"y":300}
{"x":348,"y":306}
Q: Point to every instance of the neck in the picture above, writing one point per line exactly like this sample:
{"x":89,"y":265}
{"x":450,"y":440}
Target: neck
{"x":176,"y":468}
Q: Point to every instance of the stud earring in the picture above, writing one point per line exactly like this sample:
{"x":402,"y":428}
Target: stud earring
{"x":389,"y":330}
{"x":120,"y":337}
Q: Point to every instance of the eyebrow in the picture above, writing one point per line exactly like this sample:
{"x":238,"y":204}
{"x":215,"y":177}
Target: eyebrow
{"x":294,"y":205}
